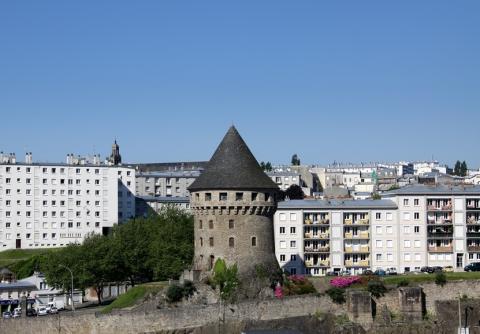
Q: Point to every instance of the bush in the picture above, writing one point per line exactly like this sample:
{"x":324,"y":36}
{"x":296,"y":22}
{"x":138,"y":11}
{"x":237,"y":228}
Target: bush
{"x":337,"y":295}
{"x":297,"y":285}
{"x":188,"y":289}
{"x":174,"y":293}
{"x":344,"y":282}
{"x":376,"y":288}
{"x":403,"y":282}
{"x":440,"y":279}
{"x":226,"y":278}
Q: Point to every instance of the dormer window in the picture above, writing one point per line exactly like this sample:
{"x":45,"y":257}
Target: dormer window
{"x":208,"y":196}
{"x":223,"y":196}
{"x":239,"y":196}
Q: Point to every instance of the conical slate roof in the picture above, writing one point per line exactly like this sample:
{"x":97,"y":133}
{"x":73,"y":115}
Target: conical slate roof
{"x":232,"y":166}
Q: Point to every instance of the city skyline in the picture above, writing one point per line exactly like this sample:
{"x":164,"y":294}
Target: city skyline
{"x":330,"y":82}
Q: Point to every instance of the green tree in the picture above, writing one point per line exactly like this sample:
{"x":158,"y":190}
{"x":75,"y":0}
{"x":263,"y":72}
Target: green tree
{"x":262,"y":165}
{"x":463,"y":169}
{"x":268,"y":166}
{"x":457,"y":168}
{"x":295,"y":160}
{"x":294,"y":192}
{"x":225,"y":277}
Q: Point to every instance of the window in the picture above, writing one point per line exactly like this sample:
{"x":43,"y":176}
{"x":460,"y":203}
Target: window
{"x":379,"y":243}
{"x":223,"y":196}
{"x":293,"y":257}
{"x":389,"y":216}
{"x":405,"y":202}
{"x":293,"y":244}
{"x":416,"y":202}
{"x":406,"y":216}
{"x":200,"y":224}
{"x":70,"y":224}
{"x":210,"y":224}
{"x":231,"y":224}
{"x":416,"y":229}
{"x":283,"y":244}
{"x":416,"y":216}
{"x":282,"y":229}
{"x":210,"y":240}
{"x":231,"y":242}
{"x":282,"y":257}
{"x":389,"y":229}
{"x":254,"y":196}
{"x":406,"y":256}
{"x":379,"y":257}
{"x":201,"y":242}
{"x":254,"y":241}
{"x":208,"y":196}
{"x":283,"y":217}
{"x":406,"y":243}
{"x":406,"y":229}
{"x":239,"y":196}
{"x":378,"y":215}
{"x":389,"y":244}
{"x":293,"y":230}
{"x":378,"y":229}
{"x":267,"y":197}
{"x":389,"y":257}
{"x":416,"y":243}
{"x":293,"y":217}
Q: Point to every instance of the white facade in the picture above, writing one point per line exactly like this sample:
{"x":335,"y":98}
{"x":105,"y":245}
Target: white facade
{"x":52,"y":205}
{"x":413,"y":227}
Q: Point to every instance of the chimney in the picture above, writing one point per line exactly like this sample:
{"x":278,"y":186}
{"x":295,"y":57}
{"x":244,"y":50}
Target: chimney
{"x":28,"y":158}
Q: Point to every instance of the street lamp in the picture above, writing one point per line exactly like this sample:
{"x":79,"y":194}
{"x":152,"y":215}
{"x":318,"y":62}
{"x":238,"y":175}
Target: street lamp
{"x":71,"y":274}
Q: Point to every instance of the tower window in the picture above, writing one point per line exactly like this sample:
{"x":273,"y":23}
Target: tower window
{"x":200,"y":224}
{"x":197,"y":196}
{"x":239,"y":196}
{"x":208,"y":196}
{"x":210,"y":224}
{"x":231,"y":224}
{"x":223,"y":196}
{"x":254,"y":241}
{"x":201,"y":242}
{"x":267,"y":197}
{"x":231,"y":242}
{"x":254,"y":196}
{"x":211,"y":241}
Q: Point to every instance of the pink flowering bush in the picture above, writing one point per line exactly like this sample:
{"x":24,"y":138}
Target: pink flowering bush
{"x":278,"y":291}
{"x":344,"y":282}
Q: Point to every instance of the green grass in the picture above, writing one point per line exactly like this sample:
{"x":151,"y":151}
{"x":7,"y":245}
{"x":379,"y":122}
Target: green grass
{"x":422,"y":278}
{"x":12,"y":256}
{"x":134,"y":295}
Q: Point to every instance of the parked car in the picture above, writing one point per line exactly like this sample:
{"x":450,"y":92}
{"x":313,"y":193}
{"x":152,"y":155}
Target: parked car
{"x":332,"y":273}
{"x":6,"y":315}
{"x":53,"y":310}
{"x":448,"y":269}
{"x":380,"y":272}
{"x":367,"y":272}
{"x":436,"y":269}
{"x":391,"y":271}
{"x":31,"y":312}
{"x":17,"y":312}
{"x":42,"y":310}
{"x":344,"y":273}
{"x":425,"y":269}
{"x":475,"y":266}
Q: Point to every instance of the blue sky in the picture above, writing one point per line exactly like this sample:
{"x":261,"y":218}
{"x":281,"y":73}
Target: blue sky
{"x":337,"y":80}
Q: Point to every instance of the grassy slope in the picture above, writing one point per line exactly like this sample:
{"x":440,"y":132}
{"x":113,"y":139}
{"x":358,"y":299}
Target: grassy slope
{"x":134,"y":295}
{"x":421,"y":278}
{"x":11,"y":256}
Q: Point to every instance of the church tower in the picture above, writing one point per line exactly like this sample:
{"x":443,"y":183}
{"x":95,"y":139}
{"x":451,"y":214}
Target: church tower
{"x":233,"y":202}
{"x":115,"y":157}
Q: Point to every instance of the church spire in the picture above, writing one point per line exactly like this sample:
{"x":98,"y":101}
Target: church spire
{"x":115,"y":157}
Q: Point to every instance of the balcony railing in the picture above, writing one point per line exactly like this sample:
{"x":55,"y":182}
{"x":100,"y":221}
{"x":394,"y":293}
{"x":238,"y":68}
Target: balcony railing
{"x":317,"y":250}
{"x":363,"y":221}
{"x":440,"y":249}
{"x":348,"y":221}
{"x":324,"y":221}
{"x":361,"y":263}
{"x":447,"y":207}
{"x":319,"y":263}
{"x":472,"y":220}
{"x":473,"y":248}
{"x":361,"y":235}
{"x":310,"y":235}
{"x":361,"y":249}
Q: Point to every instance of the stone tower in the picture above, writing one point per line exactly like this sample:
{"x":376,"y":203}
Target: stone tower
{"x":233,"y":202}
{"x":115,"y":157}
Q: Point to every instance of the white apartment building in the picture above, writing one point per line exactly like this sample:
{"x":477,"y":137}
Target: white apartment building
{"x":51,"y":205}
{"x":409,"y":228}
{"x":165,"y":183}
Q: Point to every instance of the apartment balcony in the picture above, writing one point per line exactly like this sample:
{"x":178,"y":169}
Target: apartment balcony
{"x":439,"y":208}
{"x":440,"y":221}
{"x":361,"y":249}
{"x":308,"y":222}
{"x":473,"y":248}
{"x":472,"y":221}
{"x":319,"y":263}
{"x":363,"y":221}
{"x":361,"y":263}
{"x":317,"y":250}
{"x":361,"y":235}
{"x":348,"y":221}
{"x":440,"y":235}
{"x":440,"y":249}
{"x":308,"y":235}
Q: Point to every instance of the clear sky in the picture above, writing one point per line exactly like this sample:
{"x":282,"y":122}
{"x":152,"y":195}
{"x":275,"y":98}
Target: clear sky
{"x":330,"y":80}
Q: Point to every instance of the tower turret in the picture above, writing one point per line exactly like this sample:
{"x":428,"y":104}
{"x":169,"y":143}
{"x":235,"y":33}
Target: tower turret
{"x":233,"y":202}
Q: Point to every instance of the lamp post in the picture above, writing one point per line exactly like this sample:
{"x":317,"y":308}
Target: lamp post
{"x":71,"y":274}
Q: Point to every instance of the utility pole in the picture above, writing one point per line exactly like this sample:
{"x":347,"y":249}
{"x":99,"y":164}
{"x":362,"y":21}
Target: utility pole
{"x":71,"y":274}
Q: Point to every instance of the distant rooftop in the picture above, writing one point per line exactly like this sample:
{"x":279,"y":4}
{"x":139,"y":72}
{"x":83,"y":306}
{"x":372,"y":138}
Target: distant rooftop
{"x":419,"y":189}
{"x":337,"y":204}
{"x":164,"y":199}
{"x":170,"y":166}
{"x":178,"y":173}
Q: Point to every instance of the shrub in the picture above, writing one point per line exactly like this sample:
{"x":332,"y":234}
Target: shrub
{"x":440,"y":279}
{"x":297,"y":285}
{"x":226,"y":278}
{"x":403,"y":282}
{"x":344,"y":282}
{"x":337,"y":295}
{"x":174,"y":293}
{"x":376,"y":288}
{"x":188,"y":289}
